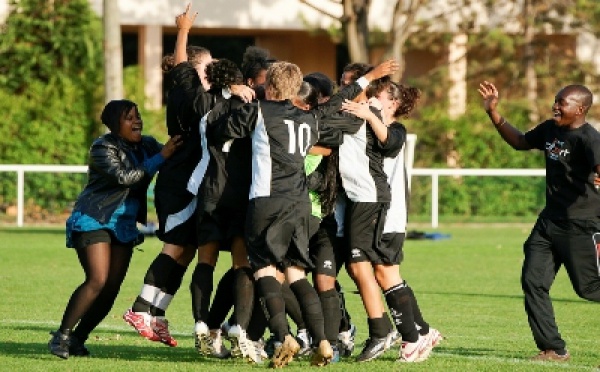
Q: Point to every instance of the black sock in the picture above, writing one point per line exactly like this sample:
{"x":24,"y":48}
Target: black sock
{"x":292,"y":306}
{"x":423,"y":325}
{"x":170,"y":288}
{"x":274,"y":306}
{"x":399,"y":303}
{"x":243,"y":296}
{"x":345,"y":316}
{"x":258,"y":321}
{"x":311,"y":309}
{"x":330,"y":303}
{"x":222,"y":301}
{"x":201,"y":289}
{"x":157,"y":276}
{"x":379,"y":327}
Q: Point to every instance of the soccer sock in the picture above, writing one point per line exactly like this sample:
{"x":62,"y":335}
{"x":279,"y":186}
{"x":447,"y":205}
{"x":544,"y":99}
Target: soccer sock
{"x":201,"y":288}
{"x":330,"y":302}
{"x":274,"y":306}
{"x":164,"y":298}
{"x":379,"y":327}
{"x":292,"y":307}
{"x":421,"y":323}
{"x":222,"y":301}
{"x":156,"y":278}
{"x":311,"y":309}
{"x":345,"y":316}
{"x":243,"y":296}
{"x":258,"y":321}
{"x":399,"y":303}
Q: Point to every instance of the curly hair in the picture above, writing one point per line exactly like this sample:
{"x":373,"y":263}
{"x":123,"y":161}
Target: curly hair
{"x":222,"y":73}
{"x":194,"y":53}
{"x":283,"y":80}
{"x":254,"y":61}
{"x":406,"y":96}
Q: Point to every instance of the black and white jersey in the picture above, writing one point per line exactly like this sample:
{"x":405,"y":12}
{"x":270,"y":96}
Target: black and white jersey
{"x":361,"y":163}
{"x":395,"y":169}
{"x":571,"y":156}
{"x":281,"y":136}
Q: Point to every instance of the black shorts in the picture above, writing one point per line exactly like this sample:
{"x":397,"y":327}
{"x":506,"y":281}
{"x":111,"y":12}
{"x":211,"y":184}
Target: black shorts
{"x":177,"y":217}
{"x":221,"y":225}
{"x":82,"y":239}
{"x":277,"y":233}
{"x":326,"y":249}
{"x":363,"y":225}
{"x":390,"y":248}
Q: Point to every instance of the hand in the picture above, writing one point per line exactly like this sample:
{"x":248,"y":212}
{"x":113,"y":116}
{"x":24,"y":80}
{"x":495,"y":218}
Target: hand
{"x":245,"y":93}
{"x":186,"y":20}
{"x":386,"y":68}
{"x":490,"y":96}
{"x":171,"y":146}
{"x":375,"y":103}
{"x":361,"y":110}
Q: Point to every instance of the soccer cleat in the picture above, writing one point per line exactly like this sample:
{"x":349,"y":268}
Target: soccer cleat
{"x":551,"y":356}
{"x":305,"y":342}
{"x":59,"y":344}
{"x":435,"y":337}
{"x":77,"y":348}
{"x":239,"y":340}
{"x":413,"y":352}
{"x":346,"y":341}
{"x":284,"y":352}
{"x":260,"y":348}
{"x":142,"y":323}
{"x":393,"y":338}
{"x":336,"y":354}
{"x":270,"y":346}
{"x":322,"y":355}
{"x":160,"y":326}
{"x":374,"y":347}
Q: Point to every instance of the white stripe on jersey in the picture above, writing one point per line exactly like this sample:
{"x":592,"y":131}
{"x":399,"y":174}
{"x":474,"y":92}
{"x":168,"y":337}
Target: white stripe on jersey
{"x":261,"y":160}
{"x":354,"y":167}
{"x":200,"y":170}
{"x":396,"y":217}
{"x":180,"y":217}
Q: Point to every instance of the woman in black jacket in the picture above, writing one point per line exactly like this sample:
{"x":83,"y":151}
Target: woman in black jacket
{"x":102,"y":227}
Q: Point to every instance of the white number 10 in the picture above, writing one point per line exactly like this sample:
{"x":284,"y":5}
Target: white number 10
{"x":303,"y":137}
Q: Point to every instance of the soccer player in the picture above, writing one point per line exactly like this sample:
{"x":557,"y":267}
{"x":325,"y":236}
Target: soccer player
{"x":567,"y":230}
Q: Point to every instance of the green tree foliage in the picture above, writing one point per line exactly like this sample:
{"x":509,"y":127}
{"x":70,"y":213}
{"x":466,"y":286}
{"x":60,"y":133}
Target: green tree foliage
{"x":50,"y":75}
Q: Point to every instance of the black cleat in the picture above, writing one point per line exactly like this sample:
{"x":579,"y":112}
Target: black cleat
{"x":59,"y":344}
{"x":374,"y":347}
{"x":77,"y":348}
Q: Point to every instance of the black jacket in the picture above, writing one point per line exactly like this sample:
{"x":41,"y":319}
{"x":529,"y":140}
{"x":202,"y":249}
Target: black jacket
{"x":113,"y":175}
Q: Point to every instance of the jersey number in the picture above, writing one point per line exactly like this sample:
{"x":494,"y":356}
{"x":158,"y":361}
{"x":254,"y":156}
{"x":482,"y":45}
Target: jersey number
{"x":303,"y":137}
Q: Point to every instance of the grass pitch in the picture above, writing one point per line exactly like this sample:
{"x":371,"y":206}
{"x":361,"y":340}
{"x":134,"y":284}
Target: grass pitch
{"x":467,"y":286}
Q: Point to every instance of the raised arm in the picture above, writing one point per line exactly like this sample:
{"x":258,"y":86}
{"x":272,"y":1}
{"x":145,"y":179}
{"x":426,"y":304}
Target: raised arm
{"x":184,"y":23}
{"x":511,"y":135}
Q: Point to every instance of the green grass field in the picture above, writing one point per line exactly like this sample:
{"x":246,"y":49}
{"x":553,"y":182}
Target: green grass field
{"x":467,"y":286}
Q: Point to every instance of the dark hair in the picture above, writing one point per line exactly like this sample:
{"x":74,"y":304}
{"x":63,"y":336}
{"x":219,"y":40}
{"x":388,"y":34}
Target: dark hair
{"x":254,"y":61}
{"x":222,"y":73}
{"x":329,"y":194}
{"x":194,"y":53}
{"x":357,"y":70}
{"x":321,"y":83}
{"x":308,"y":94}
{"x":407,"y":96}
{"x":114,"y":111}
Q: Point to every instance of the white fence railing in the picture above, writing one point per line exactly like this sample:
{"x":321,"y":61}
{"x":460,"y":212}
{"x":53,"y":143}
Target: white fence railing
{"x":431,"y":172}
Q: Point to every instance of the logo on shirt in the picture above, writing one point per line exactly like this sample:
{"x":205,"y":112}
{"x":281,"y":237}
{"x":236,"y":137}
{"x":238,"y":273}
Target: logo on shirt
{"x":327,"y":264}
{"x":355,"y":253}
{"x":555,"y":149}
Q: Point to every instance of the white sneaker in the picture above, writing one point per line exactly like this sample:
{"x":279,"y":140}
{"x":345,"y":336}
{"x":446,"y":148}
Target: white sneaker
{"x":393,"y":338}
{"x":237,"y":335}
{"x":435,"y":337}
{"x":346,"y":340}
{"x":412,"y":352}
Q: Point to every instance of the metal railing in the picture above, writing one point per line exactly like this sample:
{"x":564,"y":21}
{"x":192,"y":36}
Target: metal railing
{"x":434,"y":173}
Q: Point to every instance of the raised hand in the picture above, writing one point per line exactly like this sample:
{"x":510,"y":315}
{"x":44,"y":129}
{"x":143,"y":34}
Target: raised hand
{"x":185,"y":21}
{"x":358,"y":109}
{"x":244,"y":92}
{"x":383,"y":69}
{"x":489,"y":93}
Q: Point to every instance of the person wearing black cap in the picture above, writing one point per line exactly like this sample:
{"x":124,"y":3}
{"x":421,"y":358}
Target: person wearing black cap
{"x":102,"y":227}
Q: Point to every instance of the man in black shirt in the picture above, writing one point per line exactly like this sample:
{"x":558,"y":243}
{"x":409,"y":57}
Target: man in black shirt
{"x":567,"y":231}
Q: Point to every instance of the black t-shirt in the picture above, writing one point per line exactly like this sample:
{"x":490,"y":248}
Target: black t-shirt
{"x":571,"y":155}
